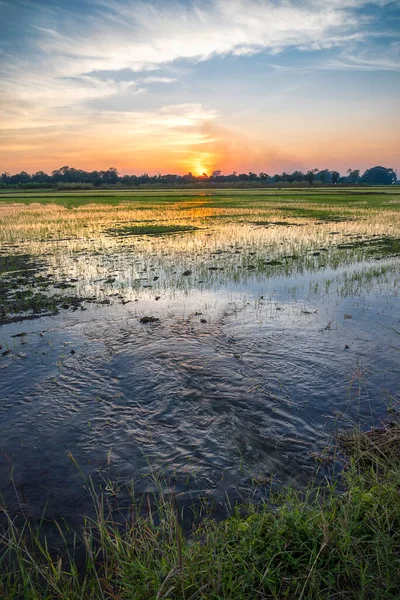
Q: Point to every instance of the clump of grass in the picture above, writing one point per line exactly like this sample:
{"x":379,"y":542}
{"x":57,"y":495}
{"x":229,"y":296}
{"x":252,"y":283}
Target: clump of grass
{"x":22,"y":288}
{"x":277,"y":223}
{"x":17,"y":263}
{"x":147,"y":319}
{"x":374,"y":445}
{"x":149,"y":229}
{"x":331,"y":541}
{"x":378,"y":247}
{"x":319,"y":214}
{"x":27,"y":305}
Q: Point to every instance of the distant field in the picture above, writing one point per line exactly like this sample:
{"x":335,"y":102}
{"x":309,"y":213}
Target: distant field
{"x":378,"y":197}
{"x":148,"y":191}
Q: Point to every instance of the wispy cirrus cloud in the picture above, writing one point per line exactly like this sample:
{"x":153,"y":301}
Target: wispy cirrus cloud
{"x":157,"y":79}
{"x":367,"y":59}
{"x":142,"y":35}
{"x":73,"y":59}
{"x":96,"y":68}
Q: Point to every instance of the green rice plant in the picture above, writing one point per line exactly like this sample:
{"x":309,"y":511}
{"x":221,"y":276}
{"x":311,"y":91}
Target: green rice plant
{"x":149,"y":229}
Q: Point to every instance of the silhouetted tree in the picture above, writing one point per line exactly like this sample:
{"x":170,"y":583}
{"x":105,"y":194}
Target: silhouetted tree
{"x":324,"y":176}
{"x":297,"y":176}
{"x":335,"y":177}
{"x":71,"y":176}
{"x":353,"y":175}
{"x":379,"y":176}
{"x":109,"y":176}
{"x":310,"y":175}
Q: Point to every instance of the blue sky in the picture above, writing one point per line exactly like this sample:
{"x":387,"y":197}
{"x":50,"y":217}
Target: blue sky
{"x":196,"y":85}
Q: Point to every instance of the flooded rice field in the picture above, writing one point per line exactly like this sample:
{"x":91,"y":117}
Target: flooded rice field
{"x":215,"y":339}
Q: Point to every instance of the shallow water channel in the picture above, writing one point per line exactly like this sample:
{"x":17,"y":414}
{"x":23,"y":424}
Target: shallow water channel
{"x":265,"y":337}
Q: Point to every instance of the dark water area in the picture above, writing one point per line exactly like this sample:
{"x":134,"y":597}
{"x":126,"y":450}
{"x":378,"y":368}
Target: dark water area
{"x":211,"y":407}
{"x":243,"y":378}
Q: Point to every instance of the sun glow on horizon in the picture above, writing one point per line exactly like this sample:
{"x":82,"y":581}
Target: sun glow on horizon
{"x":199,"y":169}
{"x":200,"y":164}
{"x":152,"y":87}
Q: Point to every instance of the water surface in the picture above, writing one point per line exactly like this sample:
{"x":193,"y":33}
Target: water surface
{"x":275,"y":322}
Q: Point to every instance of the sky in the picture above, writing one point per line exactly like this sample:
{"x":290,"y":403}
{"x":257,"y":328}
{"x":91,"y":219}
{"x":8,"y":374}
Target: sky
{"x":179,"y":86}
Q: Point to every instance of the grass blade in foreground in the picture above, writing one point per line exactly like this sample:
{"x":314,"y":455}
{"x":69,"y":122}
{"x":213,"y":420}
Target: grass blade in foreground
{"x":341,"y":540}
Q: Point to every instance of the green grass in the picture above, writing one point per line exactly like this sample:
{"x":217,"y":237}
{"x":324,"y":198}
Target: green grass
{"x":24,"y":290}
{"x":337,"y":540}
{"x":378,"y":247}
{"x":319,"y":214}
{"x":214,"y":198}
{"x":146,"y":229}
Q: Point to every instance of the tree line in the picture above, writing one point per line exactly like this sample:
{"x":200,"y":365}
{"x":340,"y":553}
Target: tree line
{"x":69,"y":176}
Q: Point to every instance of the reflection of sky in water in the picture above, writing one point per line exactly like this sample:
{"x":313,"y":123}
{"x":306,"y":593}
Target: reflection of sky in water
{"x":286,"y":354}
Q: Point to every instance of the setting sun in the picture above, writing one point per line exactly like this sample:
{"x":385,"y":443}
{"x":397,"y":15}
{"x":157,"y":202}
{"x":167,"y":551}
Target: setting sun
{"x":200,"y":164}
{"x":199,"y":169}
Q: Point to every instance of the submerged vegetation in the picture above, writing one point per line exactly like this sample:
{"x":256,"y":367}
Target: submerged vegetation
{"x":27,"y":292}
{"x":377,"y":247}
{"x":129,"y":240}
